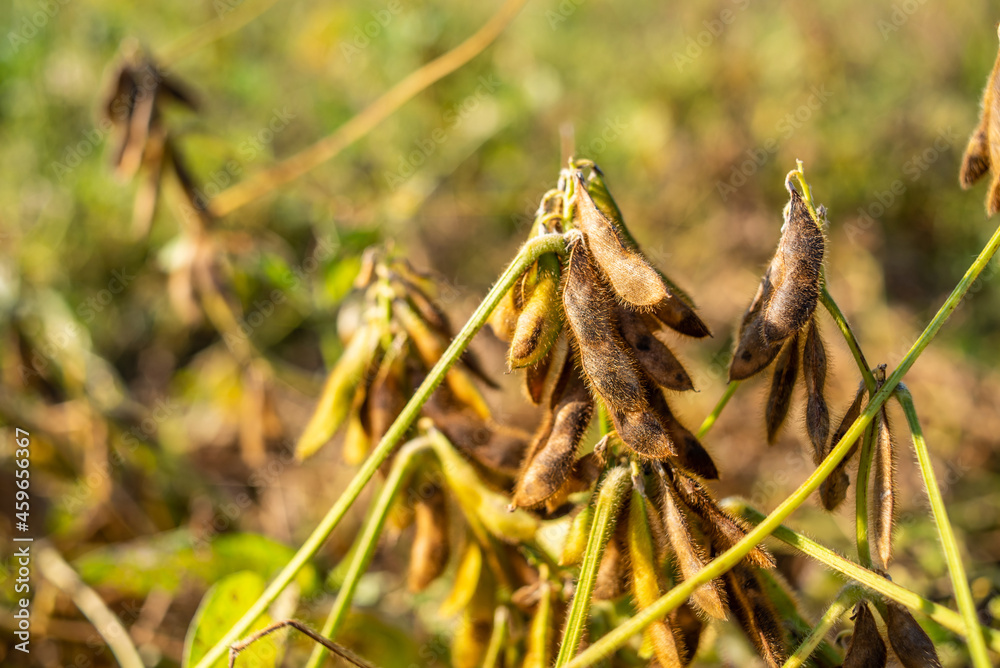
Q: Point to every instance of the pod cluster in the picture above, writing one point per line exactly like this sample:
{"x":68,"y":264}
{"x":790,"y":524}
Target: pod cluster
{"x":910,"y":643}
{"x":982,"y":155}
{"x":668,"y":528}
{"x":779,"y":328}
{"x":591,"y":331}
{"x":134,"y":103}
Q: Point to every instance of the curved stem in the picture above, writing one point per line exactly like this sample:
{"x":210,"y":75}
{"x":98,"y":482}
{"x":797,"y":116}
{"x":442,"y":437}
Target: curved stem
{"x":959,"y":580}
{"x":609,"y":498}
{"x":730,"y":557}
{"x":852,"y":342}
{"x":358,"y":126}
{"x":714,"y":415}
{"x":218,"y":28}
{"x":402,"y":467}
{"x":946,"y":617}
{"x":847,"y":598}
{"x":531,"y":251}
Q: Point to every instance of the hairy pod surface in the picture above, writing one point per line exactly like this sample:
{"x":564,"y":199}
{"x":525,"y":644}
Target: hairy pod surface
{"x":866,"y":649}
{"x":755,"y":613}
{"x":541,"y":632}
{"x":884,"y":490}
{"x":576,"y":539}
{"x":689,"y":555}
{"x":631,"y":276}
{"x":655,"y":358}
{"x":541,"y":379}
{"x":723,"y":529}
{"x":430,"y":549}
{"x":982,"y":155}
{"x":691,"y":455}
{"x":909,"y":641}
{"x":833,"y":490}
{"x":779,"y":398}
{"x":794,"y":273}
{"x":548,"y":467}
{"x":606,"y":359}
{"x":814,"y":375}
{"x":540,"y":320}
{"x":753,"y":353}
{"x":643,"y":431}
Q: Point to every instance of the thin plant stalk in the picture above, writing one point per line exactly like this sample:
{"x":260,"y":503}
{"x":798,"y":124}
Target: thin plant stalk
{"x":852,"y":342}
{"x":531,"y":251}
{"x":944,"y":616}
{"x":400,"y":473}
{"x":845,"y":601}
{"x":501,"y":621}
{"x":609,"y":498}
{"x":55,"y":569}
{"x":714,"y":415}
{"x":959,"y":580}
{"x":619,"y":636}
{"x":219,"y":27}
{"x":365,"y":121}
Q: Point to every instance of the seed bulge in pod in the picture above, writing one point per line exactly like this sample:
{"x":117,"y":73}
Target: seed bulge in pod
{"x":547,"y":469}
{"x":910,"y":642}
{"x":833,"y":490}
{"x":690,"y":453}
{"x":884,"y":490}
{"x":541,"y":320}
{"x":794,"y":273}
{"x":656,"y":359}
{"x":867,"y":649}
{"x":630,"y":274}
{"x":689,"y":555}
{"x":723,"y":529}
{"x":983,"y":152}
{"x":582,"y":477}
{"x":606,"y":359}
{"x":644,"y":432}
{"x":786,"y":370}
{"x":503,"y":320}
{"x":541,"y":378}
{"x":814,"y":374}
{"x":429,"y":552}
{"x":753,"y":353}
{"x":338,"y":392}
{"x":755,"y":613}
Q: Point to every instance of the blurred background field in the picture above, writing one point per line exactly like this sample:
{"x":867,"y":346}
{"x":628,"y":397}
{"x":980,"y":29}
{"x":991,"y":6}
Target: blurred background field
{"x":154,"y":450}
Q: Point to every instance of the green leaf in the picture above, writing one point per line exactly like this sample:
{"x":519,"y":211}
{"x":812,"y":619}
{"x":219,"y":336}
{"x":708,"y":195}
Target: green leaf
{"x":222,"y":607}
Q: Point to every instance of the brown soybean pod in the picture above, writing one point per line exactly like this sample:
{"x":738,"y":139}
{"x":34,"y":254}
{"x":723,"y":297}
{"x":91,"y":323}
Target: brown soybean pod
{"x":755,"y":613}
{"x":430,"y":549}
{"x":786,"y":370}
{"x":753,"y":353}
{"x":867,"y":649}
{"x":909,"y":641}
{"x":884,"y":490}
{"x":833,"y":490}
{"x":656,"y":359}
{"x":814,"y":374}
{"x":982,"y":154}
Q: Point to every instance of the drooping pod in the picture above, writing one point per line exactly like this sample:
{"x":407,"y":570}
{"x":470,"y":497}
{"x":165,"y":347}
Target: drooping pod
{"x":753,"y":352}
{"x":609,"y":365}
{"x":430,"y":549}
{"x":540,"y":379}
{"x":982,"y":155}
{"x":786,"y":370}
{"x":691,"y":454}
{"x":883,"y":490}
{"x":540,"y":320}
{"x":833,"y":490}
{"x":794,"y":273}
{"x":755,"y":613}
{"x":576,"y":539}
{"x":911,"y":643}
{"x":655,"y":358}
{"x":814,"y":375}
{"x":866,"y":649}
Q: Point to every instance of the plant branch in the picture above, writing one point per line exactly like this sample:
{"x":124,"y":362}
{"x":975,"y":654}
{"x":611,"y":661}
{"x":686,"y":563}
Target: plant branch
{"x":358,"y":126}
{"x":730,"y":557}
{"x":959,"y":580}
{"x":402,"y":467}
{"x":613,"y":489}
{"x":531,"y":251}
{"x":714,"y":415}
{"x":845,"y":600}
{"x":55,"y":569}
{"x":946,"y":617}
{"x":209,"y":32}
{"x":852,"y":342}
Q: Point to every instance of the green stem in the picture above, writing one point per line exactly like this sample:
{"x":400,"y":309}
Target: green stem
{"x":613,"y":489}
{"x":861,"y":498}
{"x":531,"y":251}
{"x":498,"y":638}
{"x":730,"y":557}
{"x":946,"y":617}
{"x":714,"y":415}
{"x":847,"y":598}
{"x":852,"y":342}
{"x":959,"y":580}
{"x":402,"y":467}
